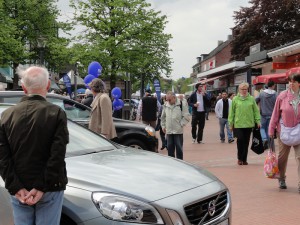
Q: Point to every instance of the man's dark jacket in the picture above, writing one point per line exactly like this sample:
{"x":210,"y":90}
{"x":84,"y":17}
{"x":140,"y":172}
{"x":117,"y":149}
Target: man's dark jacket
{"x":193,"y":100}
{"x":88,"y":100}
{"x":149,"y":108}
{"x":33,"y":139}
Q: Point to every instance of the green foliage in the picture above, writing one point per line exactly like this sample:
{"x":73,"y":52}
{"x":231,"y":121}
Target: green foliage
{"x":28,"y":23}
{"x":270,"y":23}
{"x":124,"y":36}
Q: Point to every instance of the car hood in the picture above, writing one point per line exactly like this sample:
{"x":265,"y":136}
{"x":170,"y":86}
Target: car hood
{"x":137,"y":173}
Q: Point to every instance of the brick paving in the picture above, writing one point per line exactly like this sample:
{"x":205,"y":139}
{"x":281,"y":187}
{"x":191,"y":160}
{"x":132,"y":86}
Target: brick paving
{"x":255,"y":199}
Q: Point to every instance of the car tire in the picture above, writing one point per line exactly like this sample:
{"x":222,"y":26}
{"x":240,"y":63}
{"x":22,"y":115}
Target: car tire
{"x":135,"y":143}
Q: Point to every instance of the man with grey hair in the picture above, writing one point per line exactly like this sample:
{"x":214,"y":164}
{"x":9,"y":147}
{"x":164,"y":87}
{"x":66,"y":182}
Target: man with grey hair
{"x":33,"y":140}
{"x":174,"y":117}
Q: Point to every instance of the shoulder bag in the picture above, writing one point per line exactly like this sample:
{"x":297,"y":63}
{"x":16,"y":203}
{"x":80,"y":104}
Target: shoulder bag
{"x":289,"y":135}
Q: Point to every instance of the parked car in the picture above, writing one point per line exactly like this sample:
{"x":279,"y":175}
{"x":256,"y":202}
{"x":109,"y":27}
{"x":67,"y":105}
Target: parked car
{"x":114,"y":184}
{"x":129,"y":133}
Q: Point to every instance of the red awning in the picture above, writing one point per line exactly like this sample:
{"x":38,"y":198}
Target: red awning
{"x":293,"y":70}
{"x":278,"y":78}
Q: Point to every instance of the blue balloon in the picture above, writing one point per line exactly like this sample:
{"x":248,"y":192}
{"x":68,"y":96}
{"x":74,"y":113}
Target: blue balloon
{"x":116,"y":93}
{"x":118,"y":104}
{"x":95,"y":69}
{"x":88,"y":79}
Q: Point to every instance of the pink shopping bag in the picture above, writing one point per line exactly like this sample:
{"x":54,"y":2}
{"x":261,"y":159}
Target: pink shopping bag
{"x":271,"y":163}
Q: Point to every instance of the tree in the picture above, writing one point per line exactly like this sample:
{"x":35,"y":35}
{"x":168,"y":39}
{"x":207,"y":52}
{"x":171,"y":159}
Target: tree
{"x":270,"y":23}
{"x":30,"y":22}
{"x":124,"y":36}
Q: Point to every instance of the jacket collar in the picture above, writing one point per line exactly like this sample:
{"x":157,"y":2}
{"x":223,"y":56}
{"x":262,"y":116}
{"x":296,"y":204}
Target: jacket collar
{"x":32,"y":97}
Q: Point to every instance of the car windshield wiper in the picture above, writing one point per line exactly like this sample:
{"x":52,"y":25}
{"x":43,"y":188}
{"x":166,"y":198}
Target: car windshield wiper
{"x":85,"y":152}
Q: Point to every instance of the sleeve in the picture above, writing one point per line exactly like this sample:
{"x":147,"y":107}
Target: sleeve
{"x":191,"y":101}
{"x":256,"y":112}
{"x":106,"y":114}
{"x":163,"y":118}
{"x":185,"y":115}
{"x":231,"y":115}
{"x":12,"y":182}
{"x":275,"y":117}
{"x":56,"y":161}
{"x":217,"y":109}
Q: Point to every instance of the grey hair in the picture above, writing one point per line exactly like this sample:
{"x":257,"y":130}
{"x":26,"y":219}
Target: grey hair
{"x":34,"y":78}
{"x":244,"y":84}
{"x":171,"y":93}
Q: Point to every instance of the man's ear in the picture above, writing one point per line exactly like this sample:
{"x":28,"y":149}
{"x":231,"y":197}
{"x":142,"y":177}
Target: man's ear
{"x":48,"y":85}
{"x":24,"y":89}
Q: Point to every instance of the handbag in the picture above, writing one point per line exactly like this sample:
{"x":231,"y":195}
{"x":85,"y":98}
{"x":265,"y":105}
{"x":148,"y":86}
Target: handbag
{"x":257,"y":145}
{"x":290,"y":135}
{"x":271,"y":169}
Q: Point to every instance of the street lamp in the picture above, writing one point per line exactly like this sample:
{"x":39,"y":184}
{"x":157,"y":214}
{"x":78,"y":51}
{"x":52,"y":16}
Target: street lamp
{"x":41,"y":43}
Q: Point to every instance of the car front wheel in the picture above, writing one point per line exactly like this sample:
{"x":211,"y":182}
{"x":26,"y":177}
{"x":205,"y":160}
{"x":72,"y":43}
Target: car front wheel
{"x":134,"y":143}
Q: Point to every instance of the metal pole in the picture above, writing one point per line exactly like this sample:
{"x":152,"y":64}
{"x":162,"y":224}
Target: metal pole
{"x":75,"y":80}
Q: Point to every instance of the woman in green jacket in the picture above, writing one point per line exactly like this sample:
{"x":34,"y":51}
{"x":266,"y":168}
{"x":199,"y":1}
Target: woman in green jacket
{"x":243,"y":116}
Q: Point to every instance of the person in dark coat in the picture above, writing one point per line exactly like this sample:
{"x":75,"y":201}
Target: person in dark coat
{"x":33,"y":141}
{"x":199,"y":102}
{"x":89,"y":97}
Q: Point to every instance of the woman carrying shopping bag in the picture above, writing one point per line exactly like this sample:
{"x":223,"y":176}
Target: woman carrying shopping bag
{"x":286,"y":114}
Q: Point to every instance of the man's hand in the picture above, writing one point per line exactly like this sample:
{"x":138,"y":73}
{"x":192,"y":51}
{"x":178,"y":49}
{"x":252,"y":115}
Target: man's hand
{"x":164,"y":130}
{"x":33,"y":196}
{"x":258,"y":125}
{"x":21,"y":195}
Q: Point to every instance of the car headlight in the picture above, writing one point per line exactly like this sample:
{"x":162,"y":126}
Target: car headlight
{"x":121,"y":208}
{"x":150,"y":130}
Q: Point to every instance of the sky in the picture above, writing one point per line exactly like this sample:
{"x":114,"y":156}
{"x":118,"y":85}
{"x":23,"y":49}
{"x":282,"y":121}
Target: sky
{"x":196,"y":27}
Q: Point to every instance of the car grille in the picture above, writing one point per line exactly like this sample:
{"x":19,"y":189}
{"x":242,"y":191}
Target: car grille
{"x":207,"y":210}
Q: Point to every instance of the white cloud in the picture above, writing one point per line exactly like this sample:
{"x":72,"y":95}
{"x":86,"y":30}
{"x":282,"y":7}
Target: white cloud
{"x":196,"y":27}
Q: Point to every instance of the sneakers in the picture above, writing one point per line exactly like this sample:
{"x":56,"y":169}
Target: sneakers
{"x":222,"y":141}
{"x":282,"y":184}
{"x":194,"y":141}
{"x":230,"y":141}
{"x":200,"y":142}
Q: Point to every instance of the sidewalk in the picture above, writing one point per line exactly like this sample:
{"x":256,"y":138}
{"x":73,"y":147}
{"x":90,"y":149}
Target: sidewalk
{"x":255,"y":198}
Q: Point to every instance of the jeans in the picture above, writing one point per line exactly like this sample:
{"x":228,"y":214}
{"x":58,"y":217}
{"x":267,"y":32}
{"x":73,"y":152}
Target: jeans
{"x":243,"y":138}
{"x":224,"y":122}
{"x":265,"y":121}
{"x":175,"y":141}
{"x":198,"y":119}
{"x":46,"y":211}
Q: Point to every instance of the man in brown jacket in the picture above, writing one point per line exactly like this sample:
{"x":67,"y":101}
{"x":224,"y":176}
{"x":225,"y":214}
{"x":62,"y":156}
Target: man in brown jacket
{"x":101,"y":120}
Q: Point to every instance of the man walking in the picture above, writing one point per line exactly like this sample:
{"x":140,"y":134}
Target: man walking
{"x":266,"y":100}
{"x":33,"y":140}
{"x":222,"y":111}
{"x":198,"y":102}
{"x":148,"y":109}
{"x":175,"y":116}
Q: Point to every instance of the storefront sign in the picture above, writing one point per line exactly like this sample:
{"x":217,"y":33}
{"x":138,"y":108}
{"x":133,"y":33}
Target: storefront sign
{"x":240,"y":78}
{"x":284,"y":65}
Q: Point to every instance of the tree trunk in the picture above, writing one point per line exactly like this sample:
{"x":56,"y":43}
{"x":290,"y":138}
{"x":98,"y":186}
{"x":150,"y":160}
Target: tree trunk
{"x":16,"y":77}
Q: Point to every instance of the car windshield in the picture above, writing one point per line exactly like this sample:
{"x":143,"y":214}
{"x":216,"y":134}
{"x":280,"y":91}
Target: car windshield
{"x":84,"y":141}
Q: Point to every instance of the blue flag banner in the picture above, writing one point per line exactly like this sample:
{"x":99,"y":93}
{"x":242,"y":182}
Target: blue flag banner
{"x":67,"y":82}
{"x":156,"y":85}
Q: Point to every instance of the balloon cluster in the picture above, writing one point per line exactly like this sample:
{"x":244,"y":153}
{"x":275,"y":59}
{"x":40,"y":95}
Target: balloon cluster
{"x":94,"y":71}
{"x":116,"y":93}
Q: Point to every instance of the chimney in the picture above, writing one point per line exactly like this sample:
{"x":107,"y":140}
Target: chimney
{"x":220,"y":42}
